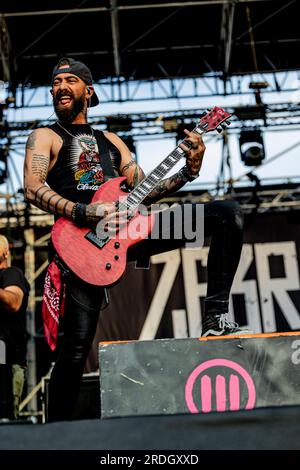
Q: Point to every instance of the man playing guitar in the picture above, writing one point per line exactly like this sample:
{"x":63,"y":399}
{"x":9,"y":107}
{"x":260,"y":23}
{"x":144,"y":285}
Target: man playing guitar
{"x":64,"y":167}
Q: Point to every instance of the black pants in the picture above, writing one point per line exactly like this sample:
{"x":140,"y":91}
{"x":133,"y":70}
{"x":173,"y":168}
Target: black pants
{"x":6,"y":392}
{"x":223,"y":221}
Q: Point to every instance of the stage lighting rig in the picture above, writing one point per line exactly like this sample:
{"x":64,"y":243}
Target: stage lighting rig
{"x":252,"y":147}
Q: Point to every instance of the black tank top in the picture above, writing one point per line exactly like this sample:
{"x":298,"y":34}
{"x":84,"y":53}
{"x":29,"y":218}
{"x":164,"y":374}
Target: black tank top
{"x":78,"y":171}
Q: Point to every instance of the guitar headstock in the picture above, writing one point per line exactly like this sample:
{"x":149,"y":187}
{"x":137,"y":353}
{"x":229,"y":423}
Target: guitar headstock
{"x":215,"y":118}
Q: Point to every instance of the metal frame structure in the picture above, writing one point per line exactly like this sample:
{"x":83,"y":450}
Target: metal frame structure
{"x":212,"y":84}
{"x":114,"y":8}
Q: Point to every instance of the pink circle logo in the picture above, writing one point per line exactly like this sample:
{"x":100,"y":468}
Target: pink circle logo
{"x":219,"y":391}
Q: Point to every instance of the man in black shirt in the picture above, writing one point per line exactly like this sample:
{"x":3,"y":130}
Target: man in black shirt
{"x":64,"y":167}
{"x":14,"y":290}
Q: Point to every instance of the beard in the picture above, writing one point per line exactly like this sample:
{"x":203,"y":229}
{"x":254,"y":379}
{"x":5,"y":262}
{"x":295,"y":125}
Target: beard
{"x":69,"y":114}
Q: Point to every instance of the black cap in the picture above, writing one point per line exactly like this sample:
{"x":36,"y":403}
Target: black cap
{"x":76,"y":68}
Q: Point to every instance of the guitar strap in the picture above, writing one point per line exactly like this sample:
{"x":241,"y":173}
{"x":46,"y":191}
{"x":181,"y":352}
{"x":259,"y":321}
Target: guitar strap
{"x":106,"y":162}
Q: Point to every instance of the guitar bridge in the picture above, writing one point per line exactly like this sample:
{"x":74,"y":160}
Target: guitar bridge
{"x":99,"y":242}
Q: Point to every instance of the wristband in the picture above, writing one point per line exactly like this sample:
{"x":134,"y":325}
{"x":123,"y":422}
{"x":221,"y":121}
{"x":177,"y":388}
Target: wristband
{"x":79,"y":214}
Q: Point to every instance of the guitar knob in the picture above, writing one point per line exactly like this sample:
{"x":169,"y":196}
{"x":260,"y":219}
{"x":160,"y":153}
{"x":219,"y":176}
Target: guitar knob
{"x":117,"y":245}
{"x":116,"y":257}
{"x":108,"y":266}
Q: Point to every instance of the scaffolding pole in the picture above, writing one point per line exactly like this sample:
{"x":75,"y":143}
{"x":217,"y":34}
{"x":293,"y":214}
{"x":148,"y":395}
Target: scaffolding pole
{"x":29,"y":262}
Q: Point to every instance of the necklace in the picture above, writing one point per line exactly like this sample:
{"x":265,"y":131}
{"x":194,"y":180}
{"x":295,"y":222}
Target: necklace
{"x":75,"y":136}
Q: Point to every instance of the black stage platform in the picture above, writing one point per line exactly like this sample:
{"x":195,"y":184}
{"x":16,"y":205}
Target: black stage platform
{"x":275,"y":428}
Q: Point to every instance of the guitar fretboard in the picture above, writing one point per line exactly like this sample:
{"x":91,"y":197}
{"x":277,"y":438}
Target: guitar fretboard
{"x":145,"y":187}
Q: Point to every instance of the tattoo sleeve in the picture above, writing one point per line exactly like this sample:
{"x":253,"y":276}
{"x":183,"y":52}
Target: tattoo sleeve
{"x":164,"y":188}
{"x":133,"y":178}
{"x":48,"y":200}
{"x":136,"y":176}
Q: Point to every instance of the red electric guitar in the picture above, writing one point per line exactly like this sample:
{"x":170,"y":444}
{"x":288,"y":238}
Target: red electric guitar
{"x":91,"y":254}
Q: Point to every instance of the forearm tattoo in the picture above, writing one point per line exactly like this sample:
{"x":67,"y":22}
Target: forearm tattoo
{"x":49,"y":201}
{"x":165,"y":188}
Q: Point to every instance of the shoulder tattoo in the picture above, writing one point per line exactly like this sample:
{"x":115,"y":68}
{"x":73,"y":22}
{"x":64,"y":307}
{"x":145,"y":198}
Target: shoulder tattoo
{"x":30,"y":144}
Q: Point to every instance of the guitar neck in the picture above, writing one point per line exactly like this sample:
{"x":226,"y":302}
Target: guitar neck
{"x":145,"y":187}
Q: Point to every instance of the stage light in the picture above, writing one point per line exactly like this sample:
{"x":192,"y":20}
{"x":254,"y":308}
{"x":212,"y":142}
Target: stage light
{"x":119,"y":123}
{"x":245,"y":113}
{"x":252,"y":147}
{"x":258,"y":85}
{"x":170,"y":125}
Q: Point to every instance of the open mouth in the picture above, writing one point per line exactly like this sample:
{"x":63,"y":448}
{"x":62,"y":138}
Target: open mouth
{"x":65,"y":100}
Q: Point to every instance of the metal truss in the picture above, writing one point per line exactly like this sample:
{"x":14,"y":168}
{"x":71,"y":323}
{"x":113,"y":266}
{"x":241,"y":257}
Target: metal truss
{"x":227,"y":23}
{"x":157,"y":125}
{"x":251,"y":199}
{"x":213,"y":84}
{"x":5,"y":50}
{"x":165,"y":123}
{"x":270,"y":196}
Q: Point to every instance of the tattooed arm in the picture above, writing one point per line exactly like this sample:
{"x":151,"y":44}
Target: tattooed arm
{"x":134,"y":174}
{"x":36,"y":167}
{"x":194,"y":155}
{"x":165,"y":188}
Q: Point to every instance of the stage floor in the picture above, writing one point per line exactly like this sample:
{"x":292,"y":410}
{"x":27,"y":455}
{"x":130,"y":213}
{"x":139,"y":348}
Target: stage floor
{"x":276,"y":428}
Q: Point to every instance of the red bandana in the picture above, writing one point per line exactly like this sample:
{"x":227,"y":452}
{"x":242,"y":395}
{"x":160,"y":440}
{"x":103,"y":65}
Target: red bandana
{"x":53,"y":303}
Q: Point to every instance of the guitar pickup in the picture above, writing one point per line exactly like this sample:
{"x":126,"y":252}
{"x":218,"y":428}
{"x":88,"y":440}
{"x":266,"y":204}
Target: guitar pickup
{"x":99,"y":242}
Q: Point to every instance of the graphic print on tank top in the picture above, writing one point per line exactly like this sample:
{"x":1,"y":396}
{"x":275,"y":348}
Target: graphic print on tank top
{"x":85,"y":162}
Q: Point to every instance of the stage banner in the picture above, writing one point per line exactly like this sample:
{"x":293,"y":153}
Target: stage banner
{"x":166,"y":301}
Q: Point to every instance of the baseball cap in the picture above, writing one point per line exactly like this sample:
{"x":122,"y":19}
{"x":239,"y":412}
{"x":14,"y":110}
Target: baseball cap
{"x":76,"y":68}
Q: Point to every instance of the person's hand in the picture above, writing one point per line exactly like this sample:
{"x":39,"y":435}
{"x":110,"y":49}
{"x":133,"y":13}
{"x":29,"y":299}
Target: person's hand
{"x":194,"y":150}
{"x":106,"y":215}
{"x":98,"y":210}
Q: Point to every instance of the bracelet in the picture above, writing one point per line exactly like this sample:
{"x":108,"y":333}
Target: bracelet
{"x":186,"y":175}
{"x":78,"y":214}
